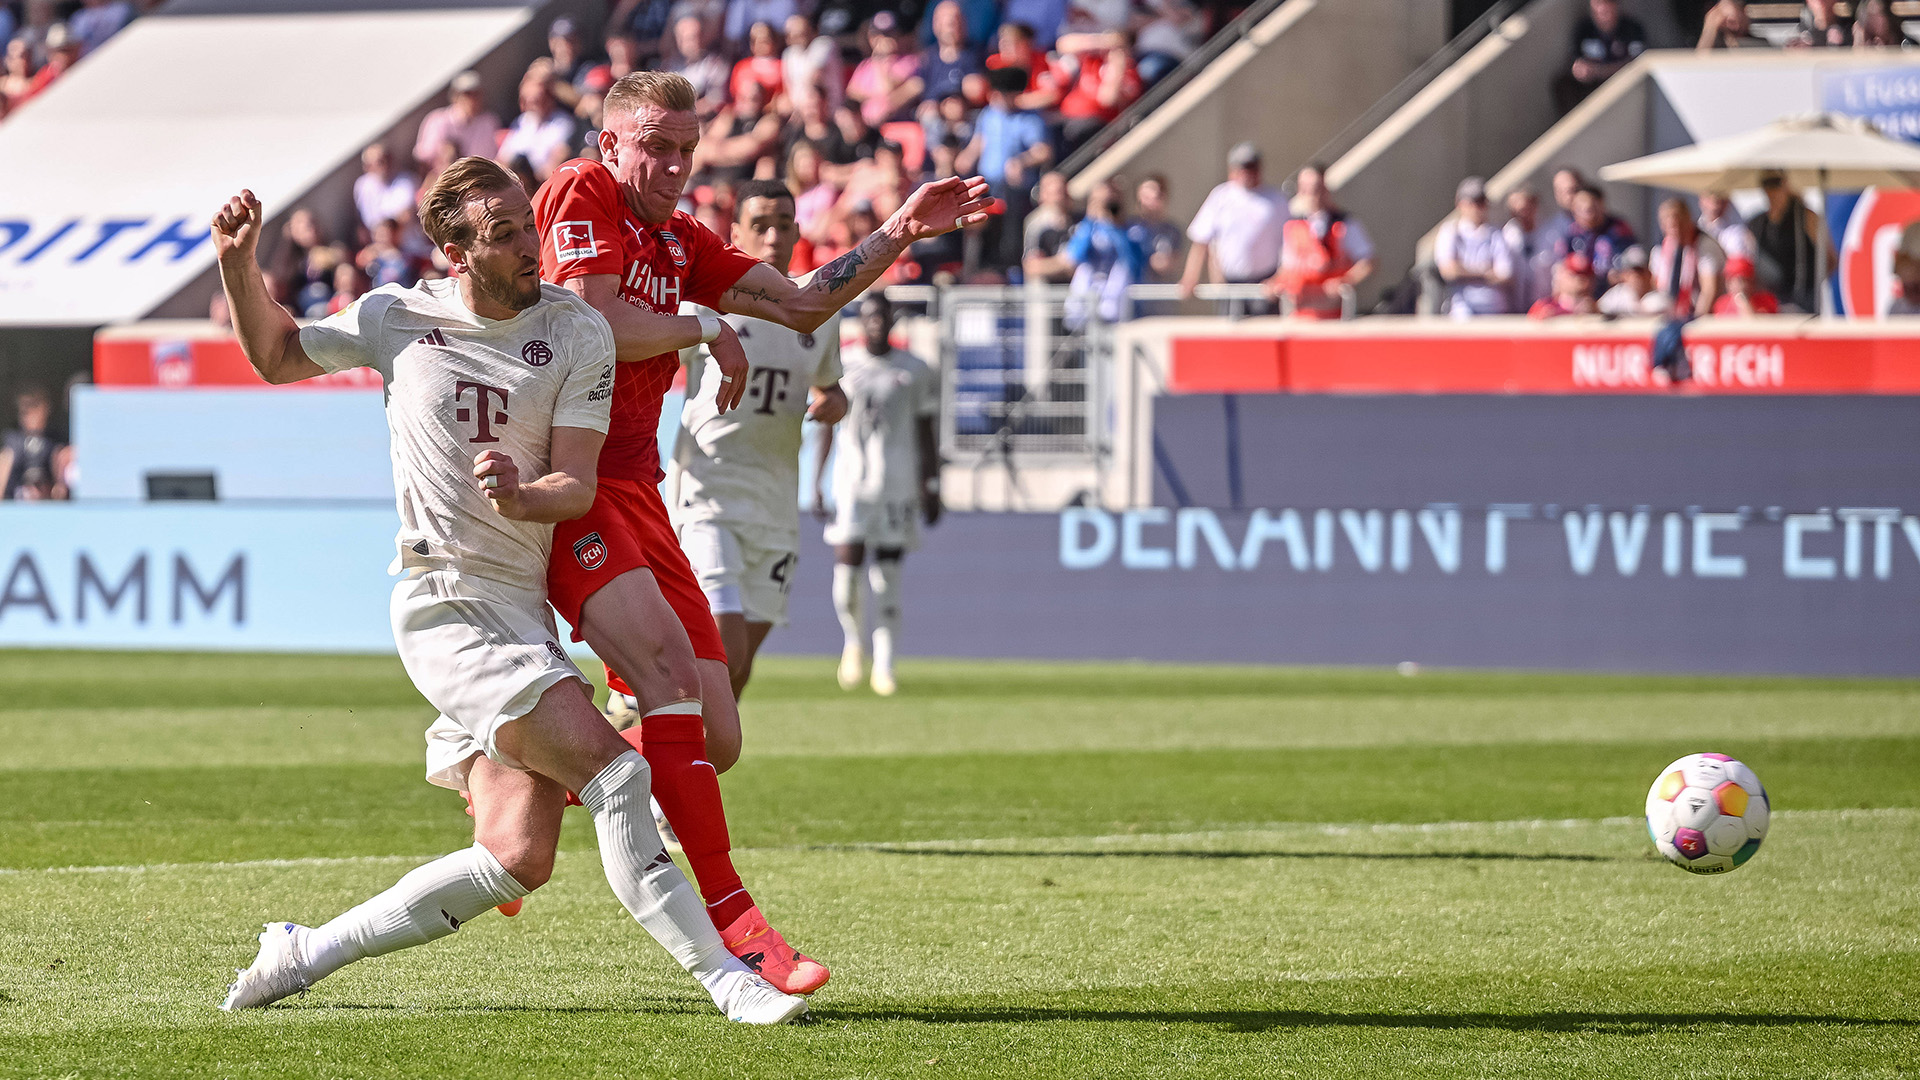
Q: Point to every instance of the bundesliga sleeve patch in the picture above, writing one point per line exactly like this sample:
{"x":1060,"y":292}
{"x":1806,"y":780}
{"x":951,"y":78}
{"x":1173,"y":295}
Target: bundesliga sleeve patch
{"x":590,"y":551}
{"x":573,"y":240}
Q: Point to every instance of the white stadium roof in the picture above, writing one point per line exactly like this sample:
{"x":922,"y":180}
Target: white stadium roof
{"x":114,"y":171}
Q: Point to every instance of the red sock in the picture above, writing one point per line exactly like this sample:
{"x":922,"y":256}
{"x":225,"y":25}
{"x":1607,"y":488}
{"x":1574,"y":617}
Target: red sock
{"x":689,"y":791}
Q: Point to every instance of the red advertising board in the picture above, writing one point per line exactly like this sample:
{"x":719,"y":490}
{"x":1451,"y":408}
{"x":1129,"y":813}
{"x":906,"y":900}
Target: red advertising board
{"x":1403,"y":356}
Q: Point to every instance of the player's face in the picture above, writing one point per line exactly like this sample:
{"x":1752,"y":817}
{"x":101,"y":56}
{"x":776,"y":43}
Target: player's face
{"x":650,"y":153}
{"x":764,"y":228}
{"x":503,"y":261}
{"x":876,"y":322}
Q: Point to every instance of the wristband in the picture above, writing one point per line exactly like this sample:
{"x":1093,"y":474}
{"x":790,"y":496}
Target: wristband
{"x":709,"y":329}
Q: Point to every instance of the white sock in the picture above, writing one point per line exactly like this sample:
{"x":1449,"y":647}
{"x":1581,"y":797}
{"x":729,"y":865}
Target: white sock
{"x":846,"y":603}
{"x":430,"y":902}
{"x":884,"y":577}
{"x":644,"y":877}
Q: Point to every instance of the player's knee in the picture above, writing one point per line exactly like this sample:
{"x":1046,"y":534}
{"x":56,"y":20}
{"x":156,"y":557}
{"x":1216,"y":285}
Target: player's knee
{"x":530,"y":864}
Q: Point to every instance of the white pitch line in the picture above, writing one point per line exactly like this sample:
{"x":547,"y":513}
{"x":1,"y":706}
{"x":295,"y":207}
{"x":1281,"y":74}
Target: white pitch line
{"x":1311,"y":827}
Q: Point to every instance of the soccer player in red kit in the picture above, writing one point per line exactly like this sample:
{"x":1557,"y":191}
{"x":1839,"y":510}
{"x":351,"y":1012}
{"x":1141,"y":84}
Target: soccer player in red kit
{"x":610,"y":231}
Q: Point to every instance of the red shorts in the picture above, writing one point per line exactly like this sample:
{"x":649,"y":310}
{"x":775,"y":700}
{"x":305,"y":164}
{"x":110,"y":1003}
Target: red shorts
{"x":628,"y":529}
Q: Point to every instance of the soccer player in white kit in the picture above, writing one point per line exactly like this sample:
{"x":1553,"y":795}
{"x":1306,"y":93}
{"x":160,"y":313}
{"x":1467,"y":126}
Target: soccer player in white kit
{"x":733,"y":486}
{"x":498,"y":391}
{"x":886,"y":477}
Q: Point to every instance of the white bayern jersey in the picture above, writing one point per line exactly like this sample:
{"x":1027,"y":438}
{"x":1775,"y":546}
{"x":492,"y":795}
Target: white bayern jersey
{"x":876,"y":453}
{"x":458,"y":384}
{"x":743,"y":467}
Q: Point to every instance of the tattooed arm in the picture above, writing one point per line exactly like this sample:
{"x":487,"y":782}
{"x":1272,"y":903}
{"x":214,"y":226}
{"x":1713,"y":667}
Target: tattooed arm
{"x":806,"y":303}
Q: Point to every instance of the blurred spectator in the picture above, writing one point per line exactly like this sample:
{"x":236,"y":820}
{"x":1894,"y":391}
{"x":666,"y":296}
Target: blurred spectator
{"x":648,"y":24}
{"x":349,"y":284}
{"x":1744,"y":296}
{"x":62,"y":50}
{"x":714,"y":218}
{"x":16,"y":73}
{"x":739,"y":136}
{"x":1604,"y":41}
{"x":563,"y":46}
{"x":381,"y":193}
{"x":1009,"y":144}
{"x":1821,"y":27}
{"x":840,"y":138}
{"x":813,"y":196}
{"x":464,"y":123}
{"x":707,"y":72}
{"x":744,"y":15}
{"x":812,"y":64}
{"x":881,"y":182}
{"x":1874,"y":27}
{"x":1044,"y":235}
{"x":1686,"y":265}
{"x":542,"y":133}
{"x":1531,"y":243}
{"x":624,"y":56}
{"x":384,"y":260}
{"x":1095,"y":17}
{"x":1105,"y":261}
{"x":980,"y":18}
{"x":1322,"y":250}
{"x":1594,"y":233}
{"x":1017,"y":51}
{"x":1237,"y":231}
{"x":1572,"y":290}
{"x":949,"y":120}
{"x":1783,"y":252}
{"x":41,"y":17}
{"x":27,"y":452}
{"x":1169,"y":32}
{"x":711,"y":13}
{"x":946,"y":254}
{"x":1472,"y":255}
{"x":1044,"y":17}
{"x":946,"y":64}
{"x":761,"y":65}
{"x":1718,"y":220}
{"x":1158,"y":239}
{"x":1567,"y":183}
{"x":887,"y":84}
{"x":7,"y":22}
{"x":98,"y":20}
{"x":1727,"y":26}
{"x":1633,"y":294}
{"x":1099,"y":79}
{"x":303,"y":268}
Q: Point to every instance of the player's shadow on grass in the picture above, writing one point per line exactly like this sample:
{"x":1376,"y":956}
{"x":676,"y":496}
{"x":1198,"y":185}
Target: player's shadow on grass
{"x":1390,"y":856}
{"x":1254,"y":1021}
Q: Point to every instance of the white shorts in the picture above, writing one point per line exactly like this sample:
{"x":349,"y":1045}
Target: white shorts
{"x":881,"y":523}
{"x":481,"y":652}
{"x":739,"y":575}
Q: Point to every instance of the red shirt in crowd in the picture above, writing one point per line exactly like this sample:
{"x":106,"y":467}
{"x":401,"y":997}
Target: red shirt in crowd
{"x":1764,"y":303}
{"x":587,"y":228}
{"x":1082,"y":76}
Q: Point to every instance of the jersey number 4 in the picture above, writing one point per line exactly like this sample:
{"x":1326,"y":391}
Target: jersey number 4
{"x":483,"y":415}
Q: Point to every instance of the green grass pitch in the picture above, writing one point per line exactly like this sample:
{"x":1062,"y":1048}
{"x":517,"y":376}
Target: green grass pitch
{"x":1014,"y":870}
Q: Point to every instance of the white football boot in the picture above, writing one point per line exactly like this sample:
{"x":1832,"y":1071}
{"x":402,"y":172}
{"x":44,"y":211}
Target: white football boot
{"x":853,"y":663}
{"x":276,"y":973}
{"x":747,"y":998}
{"x":883,"y":683}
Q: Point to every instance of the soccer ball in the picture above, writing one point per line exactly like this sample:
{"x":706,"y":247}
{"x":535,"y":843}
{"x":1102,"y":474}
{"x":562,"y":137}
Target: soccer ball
{"x":1707,"y":813}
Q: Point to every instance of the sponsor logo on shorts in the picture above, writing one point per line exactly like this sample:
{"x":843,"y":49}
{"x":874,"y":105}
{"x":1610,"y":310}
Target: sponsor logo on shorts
{"x":674,"y":249}
{"x":590,"y":551}
{"x":537,"y":353}
{"x":573,"y":240}
{"x":559,"y":653}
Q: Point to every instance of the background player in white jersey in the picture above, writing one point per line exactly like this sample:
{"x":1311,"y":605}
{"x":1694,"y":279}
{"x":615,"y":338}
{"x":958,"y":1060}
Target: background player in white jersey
{"x":733,"y":486}
{"x":498,"y":394}
{"x":886,"y":476}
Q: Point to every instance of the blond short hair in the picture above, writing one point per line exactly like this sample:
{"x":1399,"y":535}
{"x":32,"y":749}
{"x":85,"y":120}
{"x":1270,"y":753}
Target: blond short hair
{"x":662,"y":89}
{"x":443,"y":209}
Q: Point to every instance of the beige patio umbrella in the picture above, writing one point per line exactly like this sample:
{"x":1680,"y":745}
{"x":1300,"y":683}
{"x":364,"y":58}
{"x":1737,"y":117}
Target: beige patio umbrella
{"x":1820,"y":151}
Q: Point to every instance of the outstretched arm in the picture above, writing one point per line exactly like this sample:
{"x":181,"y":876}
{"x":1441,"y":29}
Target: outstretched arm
{"x":639,"y":334}
{"x":807,"y":303}
{"x":268,"y":335}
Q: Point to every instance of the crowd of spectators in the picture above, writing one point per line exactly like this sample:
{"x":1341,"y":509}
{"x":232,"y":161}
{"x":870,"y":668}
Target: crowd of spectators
{"x":43,"y":39}
{"x":1586,"y":260}
{"x":849,"y":104}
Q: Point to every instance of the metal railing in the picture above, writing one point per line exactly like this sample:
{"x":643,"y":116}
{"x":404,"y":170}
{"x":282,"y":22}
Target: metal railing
{"x":1026,"y":370}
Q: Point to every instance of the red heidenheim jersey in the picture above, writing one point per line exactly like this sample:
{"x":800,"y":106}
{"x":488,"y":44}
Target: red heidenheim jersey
{"x":587,"y":228}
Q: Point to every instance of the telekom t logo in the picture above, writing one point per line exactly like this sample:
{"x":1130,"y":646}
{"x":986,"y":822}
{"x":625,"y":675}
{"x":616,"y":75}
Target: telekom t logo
{"x":488,"y":418}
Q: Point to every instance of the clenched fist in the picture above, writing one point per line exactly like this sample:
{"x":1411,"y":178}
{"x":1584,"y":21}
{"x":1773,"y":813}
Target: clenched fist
{"x":499,"y":480}
{"x":236,"y":228}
